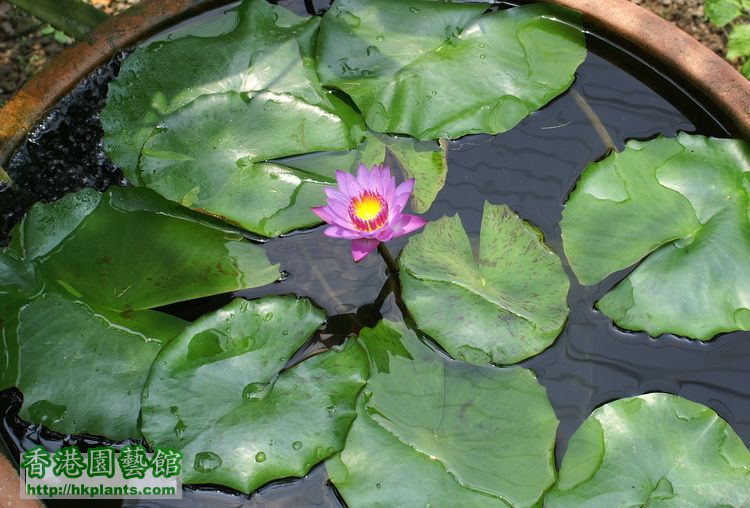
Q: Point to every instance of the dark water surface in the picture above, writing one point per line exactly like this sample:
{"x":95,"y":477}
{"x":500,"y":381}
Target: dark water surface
{"x":531,"y":168}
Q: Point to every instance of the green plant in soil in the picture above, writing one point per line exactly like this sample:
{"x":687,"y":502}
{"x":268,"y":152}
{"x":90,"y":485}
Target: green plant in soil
{"x":734,"y":15}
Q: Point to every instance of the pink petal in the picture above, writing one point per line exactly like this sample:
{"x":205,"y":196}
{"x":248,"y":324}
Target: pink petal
{"x":363,"y":176}
{"x":385,"y":234}
{"x":362,"y":247}
{"x":324,"y":213}
{"x":348,"y":184}
{"x":330,"y":215}
{"x":339,"y":232}
{"x":403,"y":193}
{"x":387,"y":184}
{"x":406,"y":224}
{"x":334,"y":193}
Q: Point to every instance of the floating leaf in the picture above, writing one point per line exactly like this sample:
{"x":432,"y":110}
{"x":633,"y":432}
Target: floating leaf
{"x":440,"y":69}
{"x":128,"y":249}
{"x":682,"y":204}
{"x":504,"y":306}
{"x":426,"y":163}
{"x":100,"y":361}
{"x":216,"y":394}
{"x":253,"y":91}
{"x":653,"y":450}
{"x":219,"y":168}
{"x":254,"y":47}
{"x":11,"y":302}
{"x":460,"y":435}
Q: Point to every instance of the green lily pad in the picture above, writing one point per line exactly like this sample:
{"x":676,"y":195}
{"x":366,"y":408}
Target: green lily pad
{"x":219,"y":168}
{"x":441,"y":69}
{"x":252,"y":48}
{"x":128,"y":249}
{"x":505,"y":305}
{"x":680,"y":208}
{"x":11,"y":302}
{"x":99,"y":359}
{"x":125,"y":250}
{"x":216,"y":393}
{"x":460,"y":435}
{"x":425,"y":162}
{"x":653,"y":450}
{"x":252,"y":88}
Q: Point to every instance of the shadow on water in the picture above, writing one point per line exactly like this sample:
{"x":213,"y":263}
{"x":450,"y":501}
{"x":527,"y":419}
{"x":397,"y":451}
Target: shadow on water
{"x":532,"y":168}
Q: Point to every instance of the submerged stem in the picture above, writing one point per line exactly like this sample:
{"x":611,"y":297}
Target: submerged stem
{"x":388,"y":258}
{"x":316,"y":271}
{"x":393,"y":270}
{"x":599,"y":127}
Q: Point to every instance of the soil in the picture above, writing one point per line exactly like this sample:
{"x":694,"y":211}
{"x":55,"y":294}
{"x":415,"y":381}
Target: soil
{"x":689,"y":16}
{"x":25,"y":46}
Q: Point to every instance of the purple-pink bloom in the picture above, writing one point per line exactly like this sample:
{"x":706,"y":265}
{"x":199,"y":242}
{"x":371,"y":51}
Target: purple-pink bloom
{"x":368,"y":209}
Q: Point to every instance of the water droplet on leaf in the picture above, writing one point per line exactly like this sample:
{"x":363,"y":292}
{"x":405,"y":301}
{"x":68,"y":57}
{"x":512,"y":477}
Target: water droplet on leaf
{"x":206,"y":461}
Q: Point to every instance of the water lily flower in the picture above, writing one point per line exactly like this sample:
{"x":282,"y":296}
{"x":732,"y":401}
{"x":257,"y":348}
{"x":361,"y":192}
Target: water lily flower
{"x":368,"y":209}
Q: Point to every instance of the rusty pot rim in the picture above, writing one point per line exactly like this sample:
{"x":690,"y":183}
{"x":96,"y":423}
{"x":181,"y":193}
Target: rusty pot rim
{"x":656,"y":41}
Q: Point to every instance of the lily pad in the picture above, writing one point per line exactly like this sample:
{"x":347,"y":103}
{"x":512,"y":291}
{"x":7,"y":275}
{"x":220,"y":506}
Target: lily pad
{"x":100,"y":361}
{"x":252,"y":48}
{"x":218,"y":393}
{"x":679,"y":208}
{"x":441,"y":69}
{"x":505,"y":305}
{"x":424,"y":161}
{"x":461,"y":435}
{"x":125,"y":250}
{"x":219,"y":168}
{"x":11,"y":302}
{"x":653,"y":450}
{"x":128,"y":249}
{"x":252,"y":88}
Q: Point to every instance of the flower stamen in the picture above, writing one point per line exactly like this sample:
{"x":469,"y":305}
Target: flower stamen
{"x":368,"y":211}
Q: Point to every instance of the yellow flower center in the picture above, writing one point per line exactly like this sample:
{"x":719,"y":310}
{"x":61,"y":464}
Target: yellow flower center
{"x":367,"y":207}
{"x":368,"y":211}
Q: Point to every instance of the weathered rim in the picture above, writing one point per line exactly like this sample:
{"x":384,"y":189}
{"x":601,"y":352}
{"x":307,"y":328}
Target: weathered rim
{"x":683,"y":59}
{"x":658,"y":42}
{"x":42,"y":92}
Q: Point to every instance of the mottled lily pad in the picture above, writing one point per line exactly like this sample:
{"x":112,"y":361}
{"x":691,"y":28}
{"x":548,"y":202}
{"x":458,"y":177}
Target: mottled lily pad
{"x":219,"y":394}
{"x":460,"y":435}
{"x":653,"y":450}
{"x":679,"y":209}
{"x":445,"y":69}
{"x":504,"y":305}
